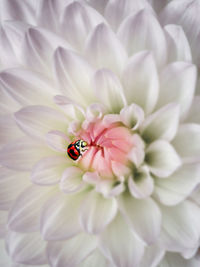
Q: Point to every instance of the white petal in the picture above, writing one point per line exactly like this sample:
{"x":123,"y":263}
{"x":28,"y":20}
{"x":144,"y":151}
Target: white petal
{"x":140,"y":80}
{"x":137,"y":154}
{"x":187,"y":142}
{"x":141,"y":184}
{"x":24,"y":215}
{"x":26,"y":248}
{"x":152,"y":256}
{"x":132,"y":116}
{"x":104,"y":50}
{"x":77,"y":21}
{"x":72,"y":251}
{"x":178,"y":82}
{"x":23,"y":11}
{"x":5,"y":259}
{"x":185,"y":13}
{"x":117,"y":10}
{"x":108,"y":90}
{"x":178,"y":46}
{"x":178,"y":231}
{"x":120,"y":246}
{"x":97,"y":212}
{"x":59,"y":219}
{"x":194,"y":114}
{"x":162,"y":124}
{"x":98,"y":5}
{"x":22,"y":154}
{"x":38,"y":48}
{"x":95,"y":259}
{"x":36,"y":121}
{"x":57,"y":140}
{"x":71,"y":181}
{"x":8,"y":189}
{"x":142,"y":31}
{"x":175,"y":259}
{"x":27,"y":87}
{"x":73,"y":74}
{"x":48,"y":171}
{"x":162,"y":158}
{"x":179,"y":185}
{"x":143,"y":216}
{"x":3,"y":223}
{"x":73,"y":110}
{"x":8,"y":129}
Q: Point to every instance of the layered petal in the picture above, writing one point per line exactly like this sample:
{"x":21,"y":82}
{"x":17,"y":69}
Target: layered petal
{"x":162,"y":124}
{"x":193,"y":114}
{"x":177,"y":84}
{"x":37,"y":121}
{"x":152,"y":256}
{"x":104,"y":50}
{"x":140,"y":81}
{"x":143,"y":216}
{"x":174,"y":259}
{"x":142,"y":31}
{"x":59,"y":217}
{"x":26,"y":248}
{"x":179,"y":185}
{"x":24,"y":215}
{"x":162,"y":158}
{"x":97,"y":212}
{"x":126,"y":253}
{"x":108,"y":90}
{"x":187,"y":142}
{"x":71,"y":252}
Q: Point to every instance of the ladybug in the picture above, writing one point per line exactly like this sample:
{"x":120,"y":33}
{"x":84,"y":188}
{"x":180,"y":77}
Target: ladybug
{"x":76,"y":148}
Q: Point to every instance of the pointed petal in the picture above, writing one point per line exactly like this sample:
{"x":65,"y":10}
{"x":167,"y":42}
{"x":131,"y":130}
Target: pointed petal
{"x":57,"y":140}
{"x":108,"y":90}
{"x":24,"y":215}
{"x":72,"y":74}
{"x":143,"y":216}
{"x":126,"y":253}
{"x":26,"y":248}
{"x":71,"y":252}
{"x":104,"y":50}
{"x":162,"y":124}
{"x":140,"y":80}
{"x":178,"y":46}
{"x":176,"y":78}
{"x":77,"y":21}
{"x":142,"y":31}
{"x":36,"y":121}
{"x":162,"y":158}
{"x":96,"y":212}
{"x":132,"y":116}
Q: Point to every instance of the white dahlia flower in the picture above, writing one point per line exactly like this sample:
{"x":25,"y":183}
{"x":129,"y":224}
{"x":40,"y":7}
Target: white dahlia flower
{"x":100,"y":133}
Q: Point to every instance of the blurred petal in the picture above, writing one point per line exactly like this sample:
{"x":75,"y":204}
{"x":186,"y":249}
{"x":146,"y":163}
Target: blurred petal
{"x":194,"y":114}
{"x":57,"y":140}
{"x":26,"y":248}
{"x":71,"y":252}
{"x":95,"y":259}
{"x":140,"y":80}
{"x":152,"y":256}
{"x":175,"y":259}
{"x":187,"y":142}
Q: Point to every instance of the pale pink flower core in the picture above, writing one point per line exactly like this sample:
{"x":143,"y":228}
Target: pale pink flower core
{"x":107,"y":147}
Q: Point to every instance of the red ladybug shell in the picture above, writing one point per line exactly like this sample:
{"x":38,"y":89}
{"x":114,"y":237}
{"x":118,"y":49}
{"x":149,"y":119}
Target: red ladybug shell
{"x":73,"y":151}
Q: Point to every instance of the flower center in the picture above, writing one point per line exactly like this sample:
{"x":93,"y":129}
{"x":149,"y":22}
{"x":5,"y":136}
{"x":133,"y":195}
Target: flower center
{"x":107,"y":148}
